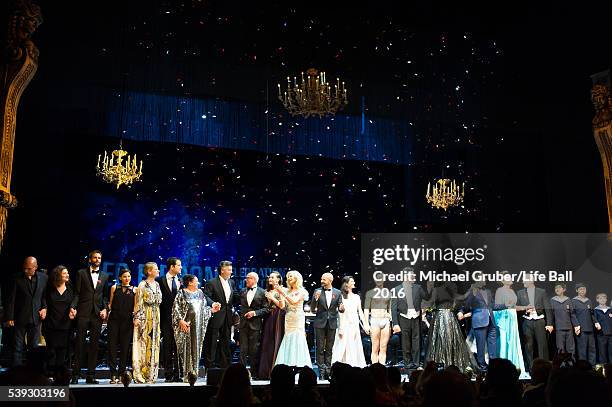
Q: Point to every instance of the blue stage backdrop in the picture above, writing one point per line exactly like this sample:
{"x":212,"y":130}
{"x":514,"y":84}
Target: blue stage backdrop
{"x":248,"y":126}
{"x":264,"y":214}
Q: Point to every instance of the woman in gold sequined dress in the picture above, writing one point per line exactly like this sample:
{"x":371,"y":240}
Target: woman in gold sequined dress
{"x":145,"y":347}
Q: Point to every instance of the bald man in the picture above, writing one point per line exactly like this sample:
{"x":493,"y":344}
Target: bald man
{"x":253,"y":309}
{"x":27,"y":307}
{"x":326,"y":303}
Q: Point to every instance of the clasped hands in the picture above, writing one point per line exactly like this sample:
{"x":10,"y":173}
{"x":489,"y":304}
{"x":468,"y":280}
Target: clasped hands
{"x":531,"y":309}
{"x":184,"y":326}
{"x":461,"y":315}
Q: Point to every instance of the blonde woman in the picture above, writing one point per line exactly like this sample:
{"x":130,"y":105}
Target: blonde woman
{"x":293,"y":350}
{"x":145,"y":348}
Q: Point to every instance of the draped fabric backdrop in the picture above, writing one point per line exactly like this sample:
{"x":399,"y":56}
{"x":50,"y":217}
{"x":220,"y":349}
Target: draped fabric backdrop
{"x":247,"y":126}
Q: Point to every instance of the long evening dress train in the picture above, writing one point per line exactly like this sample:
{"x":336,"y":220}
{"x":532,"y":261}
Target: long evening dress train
{"x":272,"y":336}
{"x":293,"y":350}
{"x":446,"y":342}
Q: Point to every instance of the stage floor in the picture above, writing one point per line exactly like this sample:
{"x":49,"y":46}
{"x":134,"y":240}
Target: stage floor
{"x":105,"y":383}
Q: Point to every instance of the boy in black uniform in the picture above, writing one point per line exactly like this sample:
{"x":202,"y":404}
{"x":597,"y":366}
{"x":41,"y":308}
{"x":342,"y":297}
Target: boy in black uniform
{"x":563,"y":319}
{"x":585,"y":338}
{"x":603,"y":315}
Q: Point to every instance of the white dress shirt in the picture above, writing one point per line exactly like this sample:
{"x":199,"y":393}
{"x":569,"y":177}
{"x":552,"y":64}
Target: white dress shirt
{"x":169,"y":280}
{"x":328,"y":297}
{"x":226,"y":288}
{"x":250,"y":295}
{"x":94,"y":277}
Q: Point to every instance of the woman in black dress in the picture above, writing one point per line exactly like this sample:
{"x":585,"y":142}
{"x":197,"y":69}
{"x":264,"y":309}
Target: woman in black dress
{"x":56,"y":326}
{"x":274,"y":326}
{"x":120,"y":328}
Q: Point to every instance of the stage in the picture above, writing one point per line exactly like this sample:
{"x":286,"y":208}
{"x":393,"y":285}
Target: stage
{"x":201,"y":382}
{"x":162,"y":393}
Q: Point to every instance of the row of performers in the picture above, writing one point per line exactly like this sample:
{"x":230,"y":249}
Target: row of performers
{"x":272,"y":321}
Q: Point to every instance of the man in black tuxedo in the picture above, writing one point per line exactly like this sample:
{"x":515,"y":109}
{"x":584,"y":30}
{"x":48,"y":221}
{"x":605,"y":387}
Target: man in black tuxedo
{"x":253,"y":309}
{"x":26,"y":307}
{"x":537,"y":319}
{"x":406,"y":316}
{"x":326,"y":303}
{"x":169,"y":284}
{"x":90,"y":304}
{"x":220,"y":295}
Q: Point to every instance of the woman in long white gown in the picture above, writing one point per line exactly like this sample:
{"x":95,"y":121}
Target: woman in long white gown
{"x":348,"y":347}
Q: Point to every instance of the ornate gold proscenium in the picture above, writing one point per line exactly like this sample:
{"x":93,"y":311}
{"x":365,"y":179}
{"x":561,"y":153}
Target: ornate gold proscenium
{"x":18,"y":65}
{"x":113,"y":170}
{"x":313,"y":95}
{"x":445,"y":193}
{"x":602,"y":130}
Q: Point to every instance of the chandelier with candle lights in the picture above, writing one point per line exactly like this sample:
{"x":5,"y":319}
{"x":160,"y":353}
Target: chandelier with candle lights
{"x":114,"y":170}
{"x":445,"y":193}
{"x":313,"y":95}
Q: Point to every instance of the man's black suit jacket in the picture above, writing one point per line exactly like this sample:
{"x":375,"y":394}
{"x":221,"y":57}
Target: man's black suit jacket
{"x":165,"y":308}
{"x":23,"y":302}
{"x":400,"y":305}
{"x":259,"y":304}
{"x":542,"y":304}
{"x":213,"y":290}
{"x":87,"y":300}
{"x":326,"y":316}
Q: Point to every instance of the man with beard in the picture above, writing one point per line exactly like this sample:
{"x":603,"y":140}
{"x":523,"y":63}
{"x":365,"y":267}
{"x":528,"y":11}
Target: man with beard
{"x":90,"y":304}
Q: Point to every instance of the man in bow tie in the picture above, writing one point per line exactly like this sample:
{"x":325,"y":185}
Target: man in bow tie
{"x":90,"y":304}
{"x":406,"y":316}
{"x":253,"y":309}
{"x":326,"y":303}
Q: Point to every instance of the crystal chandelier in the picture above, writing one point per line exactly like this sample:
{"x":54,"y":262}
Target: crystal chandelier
{"x":445,"y":193}
{"x":313,"y":95}
{"x":114,"y":171}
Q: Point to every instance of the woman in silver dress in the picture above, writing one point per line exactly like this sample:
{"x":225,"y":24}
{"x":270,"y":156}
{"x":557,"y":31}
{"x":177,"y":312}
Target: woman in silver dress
{"x":446,"y":342}
{"x":190,"y":315}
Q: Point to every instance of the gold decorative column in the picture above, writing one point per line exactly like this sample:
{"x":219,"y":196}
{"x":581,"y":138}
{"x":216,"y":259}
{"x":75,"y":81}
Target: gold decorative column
{"x":602,"y":129}
{"x":17,"y":66}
